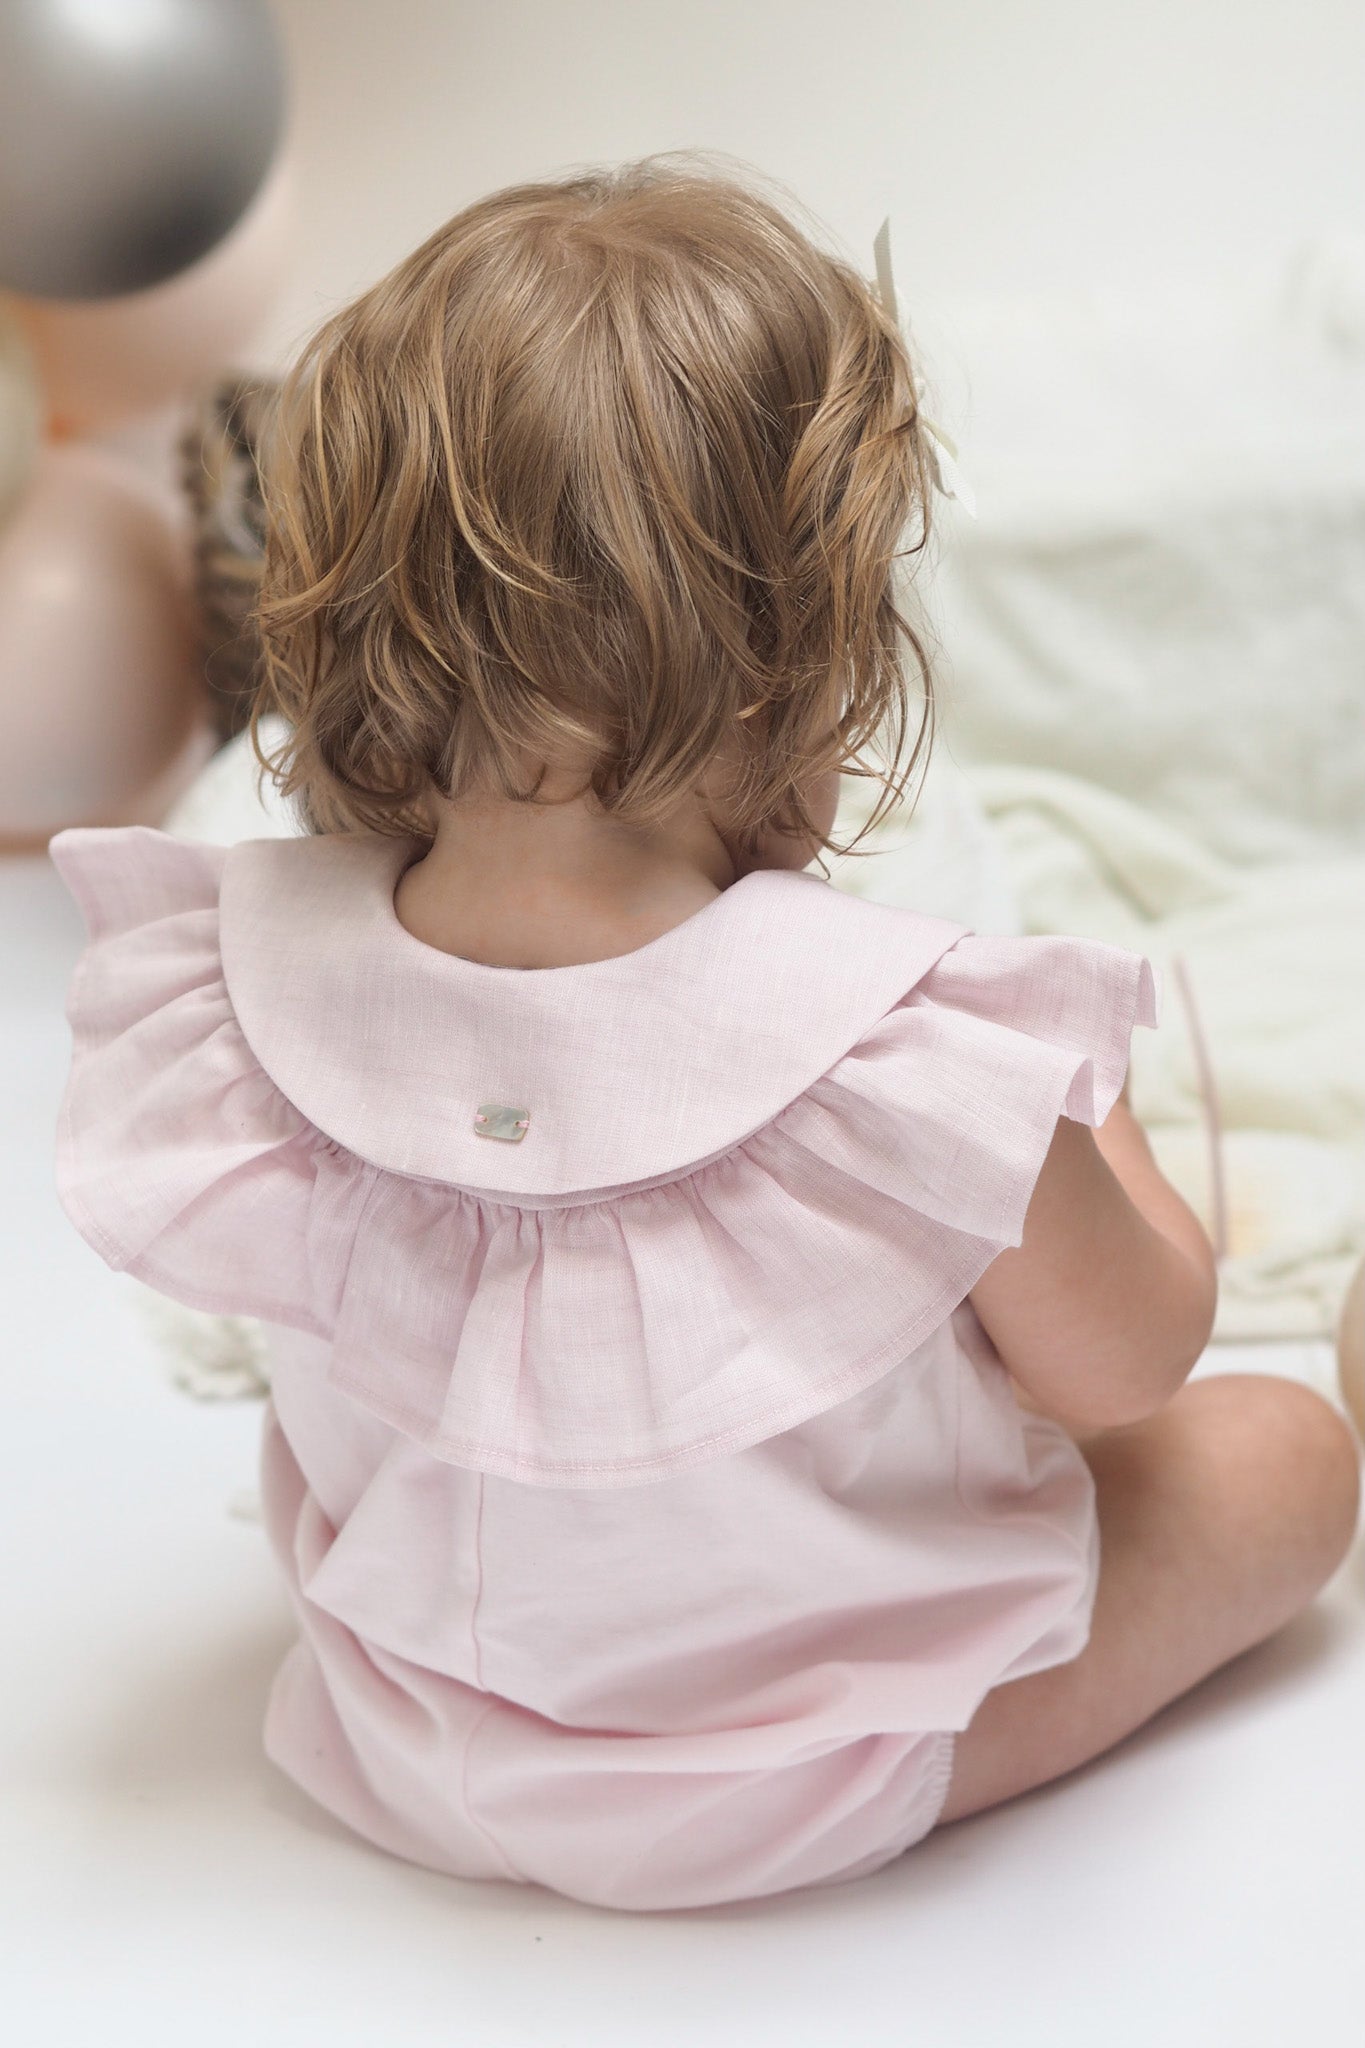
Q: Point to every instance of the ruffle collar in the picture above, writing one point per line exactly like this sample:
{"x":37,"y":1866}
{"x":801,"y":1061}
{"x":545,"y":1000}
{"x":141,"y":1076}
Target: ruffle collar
{"x":627,"y":1070}
{"x":853,"y":1137}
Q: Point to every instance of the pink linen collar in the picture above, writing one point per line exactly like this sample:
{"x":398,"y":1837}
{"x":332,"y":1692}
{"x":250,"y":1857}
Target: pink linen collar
{"x":628,"y":1070}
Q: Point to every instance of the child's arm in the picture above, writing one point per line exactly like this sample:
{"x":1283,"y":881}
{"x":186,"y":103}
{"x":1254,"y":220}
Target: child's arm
{"x":1103,"y":1310}
{"x":1125,"y":1146}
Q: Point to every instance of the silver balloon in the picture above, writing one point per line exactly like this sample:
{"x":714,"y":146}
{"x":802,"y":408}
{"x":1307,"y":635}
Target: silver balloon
{"x":134,"y":134}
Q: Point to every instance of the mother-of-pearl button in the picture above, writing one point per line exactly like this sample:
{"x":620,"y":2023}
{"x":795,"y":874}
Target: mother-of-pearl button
{"x":496,"y":1120}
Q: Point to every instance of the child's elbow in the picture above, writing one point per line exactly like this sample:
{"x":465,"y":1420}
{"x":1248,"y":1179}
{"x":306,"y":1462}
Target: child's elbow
{"x":1194,"y":1310}
{"x":1171,"y":1342}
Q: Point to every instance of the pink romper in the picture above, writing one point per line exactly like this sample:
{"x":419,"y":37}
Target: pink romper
{"x":653,"y":1503}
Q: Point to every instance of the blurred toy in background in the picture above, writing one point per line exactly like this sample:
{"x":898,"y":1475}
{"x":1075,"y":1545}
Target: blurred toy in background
{"x":21,"y":412}
{"x":219,"y":456}
{"x":145,"y":206}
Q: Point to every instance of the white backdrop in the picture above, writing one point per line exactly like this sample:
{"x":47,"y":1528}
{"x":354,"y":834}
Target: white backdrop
{"x":1015,"y":146}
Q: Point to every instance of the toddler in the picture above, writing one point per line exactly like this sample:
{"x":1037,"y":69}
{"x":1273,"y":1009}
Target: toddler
{"x":727,"y":1335}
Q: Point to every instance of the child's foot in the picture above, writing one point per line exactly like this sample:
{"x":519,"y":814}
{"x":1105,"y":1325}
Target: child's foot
{"x":1351,"y":1350}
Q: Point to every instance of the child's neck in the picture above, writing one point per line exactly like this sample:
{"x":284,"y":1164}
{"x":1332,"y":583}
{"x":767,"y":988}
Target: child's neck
{"x":557,"y":884}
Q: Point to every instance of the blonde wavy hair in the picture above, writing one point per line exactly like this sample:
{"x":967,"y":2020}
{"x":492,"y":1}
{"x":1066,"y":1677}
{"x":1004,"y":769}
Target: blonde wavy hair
{"x":614,"y":469}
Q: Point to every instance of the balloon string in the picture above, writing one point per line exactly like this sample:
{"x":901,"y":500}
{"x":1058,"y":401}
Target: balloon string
{"x":1209,"y":1110}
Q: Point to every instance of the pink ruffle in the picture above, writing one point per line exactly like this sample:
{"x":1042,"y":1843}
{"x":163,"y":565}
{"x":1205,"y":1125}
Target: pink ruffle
{"x":634,"y":1332}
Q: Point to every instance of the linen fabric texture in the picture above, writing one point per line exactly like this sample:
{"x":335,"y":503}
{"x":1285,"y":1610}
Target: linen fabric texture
{"x":654,"y":1506}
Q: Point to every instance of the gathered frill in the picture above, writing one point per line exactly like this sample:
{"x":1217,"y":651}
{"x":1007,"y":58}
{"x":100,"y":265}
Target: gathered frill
{"x":625,"y":1333}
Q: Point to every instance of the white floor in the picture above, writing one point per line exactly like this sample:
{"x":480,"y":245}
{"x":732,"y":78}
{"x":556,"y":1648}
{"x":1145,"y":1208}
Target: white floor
{"x":162,"y":1884}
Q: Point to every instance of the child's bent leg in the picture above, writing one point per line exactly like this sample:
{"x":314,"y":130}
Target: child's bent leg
{"x":1220,"y":1518}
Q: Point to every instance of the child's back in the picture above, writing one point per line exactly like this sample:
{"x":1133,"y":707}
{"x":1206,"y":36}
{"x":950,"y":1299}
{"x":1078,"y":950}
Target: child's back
{"x":656,"y":1507}
{"x":653,"y":1502}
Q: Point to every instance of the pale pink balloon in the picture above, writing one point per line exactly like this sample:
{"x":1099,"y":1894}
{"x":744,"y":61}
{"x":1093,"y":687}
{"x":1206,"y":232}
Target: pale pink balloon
{"x":102,"y":708}
{"x":104,"y":360}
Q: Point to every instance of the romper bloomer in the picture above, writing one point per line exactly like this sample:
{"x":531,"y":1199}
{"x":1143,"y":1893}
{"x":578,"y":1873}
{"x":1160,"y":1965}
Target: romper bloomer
{"x":654,"y":1505}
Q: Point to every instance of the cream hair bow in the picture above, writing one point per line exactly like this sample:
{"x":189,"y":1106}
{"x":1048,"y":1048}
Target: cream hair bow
{"x":948,"y":478}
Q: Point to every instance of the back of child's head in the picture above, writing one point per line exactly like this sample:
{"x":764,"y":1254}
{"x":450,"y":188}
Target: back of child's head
{"x":613,"y":471}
